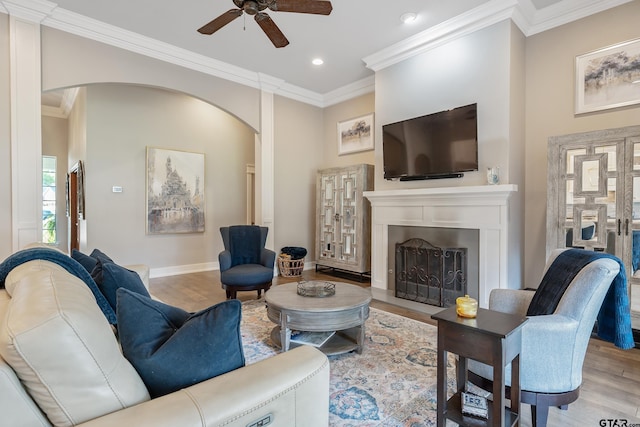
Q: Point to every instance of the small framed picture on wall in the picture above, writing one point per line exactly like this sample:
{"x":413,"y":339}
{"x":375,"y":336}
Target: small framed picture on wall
{"x":355,"y":135}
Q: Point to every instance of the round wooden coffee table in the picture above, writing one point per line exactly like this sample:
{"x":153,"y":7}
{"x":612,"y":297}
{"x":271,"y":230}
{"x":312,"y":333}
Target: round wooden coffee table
{"x":345,"y":313}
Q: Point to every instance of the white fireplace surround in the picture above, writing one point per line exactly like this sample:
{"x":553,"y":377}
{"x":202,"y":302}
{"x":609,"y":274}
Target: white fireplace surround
{"x":484,"y":208}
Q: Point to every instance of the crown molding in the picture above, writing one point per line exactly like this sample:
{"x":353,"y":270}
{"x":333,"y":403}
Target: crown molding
{"x":568,"y":11}
{"x":471,"y":21}
{"x":522,"y":12}
{"x":49,"y":111}
{"x":350,"y":91}
{"x":66,"y":104}
{"x":83,"y":26}
{"x":68,"y":99}
{"x":29,"y":10}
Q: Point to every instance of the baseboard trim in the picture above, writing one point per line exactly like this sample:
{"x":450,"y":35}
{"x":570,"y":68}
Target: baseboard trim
{"x":176,"y":270}
{"x":183,"y":269}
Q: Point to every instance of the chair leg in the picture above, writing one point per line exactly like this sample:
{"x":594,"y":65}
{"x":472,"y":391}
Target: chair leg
{"x":259,"y":293}
{"x":539,"y":415}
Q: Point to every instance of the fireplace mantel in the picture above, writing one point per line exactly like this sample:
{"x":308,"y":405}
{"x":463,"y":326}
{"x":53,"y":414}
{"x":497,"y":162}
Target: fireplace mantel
{"x":484,"y":208}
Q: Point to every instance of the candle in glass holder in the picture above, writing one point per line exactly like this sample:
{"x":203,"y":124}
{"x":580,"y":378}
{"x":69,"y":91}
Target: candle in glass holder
{"x":466,"y":306}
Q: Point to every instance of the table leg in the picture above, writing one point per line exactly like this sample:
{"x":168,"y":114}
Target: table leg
{"x":498,"y":387}
{"x":441,"y":405}
{"x":285,"y":333}
{"x":461,"y":374}
{"x":360,"y":336}
{"x":515,"y":387}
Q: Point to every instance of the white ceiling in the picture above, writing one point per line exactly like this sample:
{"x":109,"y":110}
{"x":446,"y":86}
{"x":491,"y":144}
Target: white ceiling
{"x":358,"y":37}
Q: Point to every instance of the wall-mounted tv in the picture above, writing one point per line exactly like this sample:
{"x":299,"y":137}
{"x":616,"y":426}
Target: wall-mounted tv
{"x":438,"y":145}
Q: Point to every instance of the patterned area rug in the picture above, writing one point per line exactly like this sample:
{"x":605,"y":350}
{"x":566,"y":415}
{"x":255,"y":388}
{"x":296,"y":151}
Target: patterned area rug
{"x":393,"y":381}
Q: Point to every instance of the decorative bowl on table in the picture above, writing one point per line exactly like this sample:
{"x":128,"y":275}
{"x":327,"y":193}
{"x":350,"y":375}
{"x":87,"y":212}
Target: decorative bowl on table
{"x":316,"y":288}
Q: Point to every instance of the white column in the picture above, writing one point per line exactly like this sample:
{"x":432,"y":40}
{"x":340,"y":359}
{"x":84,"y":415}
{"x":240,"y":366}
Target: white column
{"x":26,"y":130}
{"x":265,"y":165}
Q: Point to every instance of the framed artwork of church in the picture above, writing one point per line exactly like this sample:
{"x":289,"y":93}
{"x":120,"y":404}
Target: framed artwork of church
{"x":175,"y":191}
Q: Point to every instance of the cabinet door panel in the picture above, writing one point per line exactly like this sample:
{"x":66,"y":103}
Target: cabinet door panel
{"x":593,"y":198}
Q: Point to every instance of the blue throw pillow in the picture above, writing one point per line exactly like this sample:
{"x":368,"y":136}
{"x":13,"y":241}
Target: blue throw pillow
{"x":97,"y":253}
{"x":110,"y":277}
{"x":172,"y":349}
{"x":86,"y":261}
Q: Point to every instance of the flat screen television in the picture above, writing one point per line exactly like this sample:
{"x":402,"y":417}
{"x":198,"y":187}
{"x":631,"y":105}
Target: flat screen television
{"x":438,"y":145}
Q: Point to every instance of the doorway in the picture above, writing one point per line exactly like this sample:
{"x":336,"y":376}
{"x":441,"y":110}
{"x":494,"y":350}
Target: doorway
{"x":72,"y":201}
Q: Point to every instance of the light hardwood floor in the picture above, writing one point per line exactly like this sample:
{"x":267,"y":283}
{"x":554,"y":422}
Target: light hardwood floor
{"x":611,"y":377}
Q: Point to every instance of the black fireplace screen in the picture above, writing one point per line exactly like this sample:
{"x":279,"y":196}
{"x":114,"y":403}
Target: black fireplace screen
{"x":429,"y":274}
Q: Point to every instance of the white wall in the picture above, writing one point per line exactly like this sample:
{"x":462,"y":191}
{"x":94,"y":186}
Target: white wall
{"x":487,"y":68}
{"x":472,"y":69}
{"x":550,"y":82}
{"x":122,"y":120}
{"x":54,"y":143}
{"x":5,"y":141}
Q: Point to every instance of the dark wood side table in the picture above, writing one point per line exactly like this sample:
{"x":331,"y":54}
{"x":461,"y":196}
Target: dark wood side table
{"x":493,"y":338}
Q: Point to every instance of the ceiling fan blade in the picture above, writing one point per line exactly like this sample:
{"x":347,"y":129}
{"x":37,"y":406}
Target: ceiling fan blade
{"x":220,"y":21}
{"x":271,"y":30}
{"x":318,"y":7}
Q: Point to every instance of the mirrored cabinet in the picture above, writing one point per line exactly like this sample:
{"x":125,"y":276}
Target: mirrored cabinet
{"x":593,"y":192}
{"x":343,"y":218}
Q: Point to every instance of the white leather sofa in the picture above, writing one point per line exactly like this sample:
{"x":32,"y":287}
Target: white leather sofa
{"x":61,"y":365}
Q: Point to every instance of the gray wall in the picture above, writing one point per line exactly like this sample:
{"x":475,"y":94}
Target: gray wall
{"x":550,"y":79}
{"x":122,"y":120}
{"x":54,"y":143}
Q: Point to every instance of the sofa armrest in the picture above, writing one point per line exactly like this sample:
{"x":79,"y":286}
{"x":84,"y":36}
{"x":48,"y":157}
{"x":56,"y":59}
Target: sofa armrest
{"x":514,"y":301}
{"x":292,"y":388}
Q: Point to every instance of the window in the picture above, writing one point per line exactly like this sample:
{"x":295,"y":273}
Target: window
{"x":49,"y":200}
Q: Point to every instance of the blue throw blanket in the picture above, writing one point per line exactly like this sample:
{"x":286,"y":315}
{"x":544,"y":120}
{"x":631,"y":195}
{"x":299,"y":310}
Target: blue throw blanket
{"x":66,"y":262}
{"x":614,"y":317}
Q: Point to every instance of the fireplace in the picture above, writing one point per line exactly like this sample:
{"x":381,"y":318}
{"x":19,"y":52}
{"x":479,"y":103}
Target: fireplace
{"x":491,"y":211}
{"x":430,"y":274}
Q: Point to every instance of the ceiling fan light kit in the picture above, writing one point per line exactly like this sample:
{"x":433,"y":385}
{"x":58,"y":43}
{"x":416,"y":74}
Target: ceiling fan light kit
{"x":256,"y":7}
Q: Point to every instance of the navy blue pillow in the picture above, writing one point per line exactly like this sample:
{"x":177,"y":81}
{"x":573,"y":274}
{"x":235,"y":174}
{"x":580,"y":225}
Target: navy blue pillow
{"x":110,"y":277}
{"x":85,"y":260}
{"x":97,"y":253}
{"x":172,"y":349}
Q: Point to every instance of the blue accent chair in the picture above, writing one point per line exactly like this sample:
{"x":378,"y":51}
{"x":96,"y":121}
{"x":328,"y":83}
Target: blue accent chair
{"x":245,"y":264}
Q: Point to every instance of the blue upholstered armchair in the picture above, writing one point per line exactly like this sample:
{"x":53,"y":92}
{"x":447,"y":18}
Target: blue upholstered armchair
{"x":245,"y":264}
{"x":554,"y":345}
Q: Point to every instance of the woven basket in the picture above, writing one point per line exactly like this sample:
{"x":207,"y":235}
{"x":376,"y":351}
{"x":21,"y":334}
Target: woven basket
{"x":290,"y":267}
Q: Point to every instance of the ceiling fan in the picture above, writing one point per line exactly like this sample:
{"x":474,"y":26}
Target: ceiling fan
{"x":256,"y":7}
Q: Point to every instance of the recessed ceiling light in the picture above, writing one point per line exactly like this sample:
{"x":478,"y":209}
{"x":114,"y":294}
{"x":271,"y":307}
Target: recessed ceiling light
{"x":408,"y":17}
{"x":317,"y":61}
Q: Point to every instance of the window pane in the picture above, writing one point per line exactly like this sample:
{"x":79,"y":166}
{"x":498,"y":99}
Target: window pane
{"x":49,"y":199}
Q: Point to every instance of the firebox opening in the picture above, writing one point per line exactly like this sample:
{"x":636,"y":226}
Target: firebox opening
{"x":451,"y":255}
